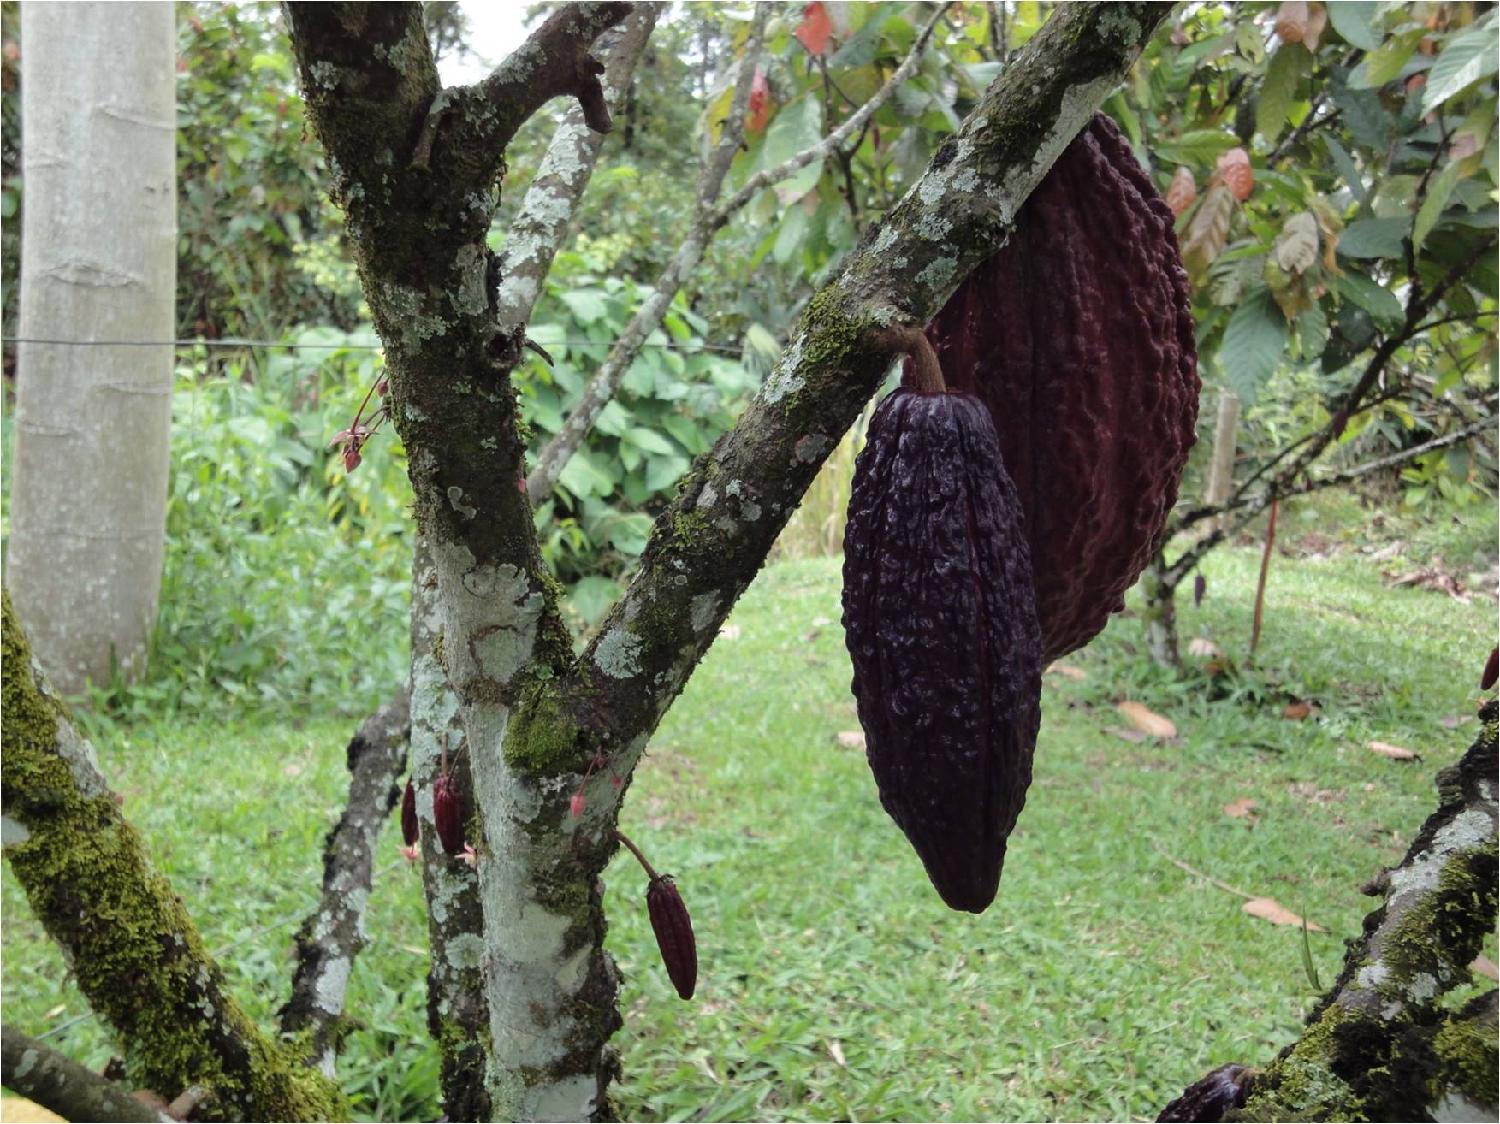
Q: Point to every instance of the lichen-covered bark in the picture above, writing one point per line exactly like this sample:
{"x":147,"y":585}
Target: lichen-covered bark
{"x":135,"y":953}
{"x":55,"y":1082}
{"x":333,"y":935}
{"x":709,"y":544}
{"x":1159,"y":613}
{"x":458,"y":1017}
{"x":1384,"y":1044}
{"x":533,"y":717}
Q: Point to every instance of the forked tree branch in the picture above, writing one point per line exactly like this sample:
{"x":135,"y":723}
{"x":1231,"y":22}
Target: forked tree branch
{"x":709,"y":543}
{"x":601,"y":388}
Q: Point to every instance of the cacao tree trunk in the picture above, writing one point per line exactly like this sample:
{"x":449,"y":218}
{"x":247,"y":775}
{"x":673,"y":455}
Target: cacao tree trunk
{"x":98,"y":261}
{"x":1160,"y":613}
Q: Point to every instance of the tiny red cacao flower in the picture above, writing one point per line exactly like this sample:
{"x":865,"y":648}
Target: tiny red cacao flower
{"x":448,"y":814}
{"x":383,"y":387}
{"x":674,"y":934}
{"x":409,"y":815}
{"x":577,"y":805}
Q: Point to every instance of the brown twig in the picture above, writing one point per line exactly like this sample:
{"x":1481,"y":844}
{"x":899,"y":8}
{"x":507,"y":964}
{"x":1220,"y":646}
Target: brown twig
{"x":1260,"y":584}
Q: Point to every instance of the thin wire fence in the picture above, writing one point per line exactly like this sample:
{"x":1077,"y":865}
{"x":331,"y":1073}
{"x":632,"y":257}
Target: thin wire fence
{"x":242,"y":344}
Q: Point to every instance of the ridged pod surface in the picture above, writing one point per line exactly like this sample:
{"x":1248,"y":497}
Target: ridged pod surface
{"x":409,"y":827}
{"x":448,"y":814}
{"x":1078,"y":335}
{"x":674,"y":933}
{"x":942,"y":630}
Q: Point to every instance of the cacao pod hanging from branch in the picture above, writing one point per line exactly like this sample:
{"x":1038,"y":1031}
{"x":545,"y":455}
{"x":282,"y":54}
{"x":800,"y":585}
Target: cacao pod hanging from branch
{"x":941,"y":626}
{"x":1078,"y":335}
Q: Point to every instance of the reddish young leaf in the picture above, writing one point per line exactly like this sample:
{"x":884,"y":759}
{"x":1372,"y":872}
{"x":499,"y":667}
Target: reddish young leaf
{"x":760,"y":102}
{"x":1233,"y":169}
{"x":815,"y":29}
{"x":1181,"y":191}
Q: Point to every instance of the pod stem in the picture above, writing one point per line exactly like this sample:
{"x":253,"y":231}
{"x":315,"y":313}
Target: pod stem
{"x":636,"y":851}
{"x":923,"y":374}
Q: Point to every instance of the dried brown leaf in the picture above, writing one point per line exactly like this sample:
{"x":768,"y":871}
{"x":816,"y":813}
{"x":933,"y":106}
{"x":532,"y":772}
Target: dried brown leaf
{"x":1203,"y":647}
{"x":851,"y":739}
{"x":1243,"y":808}
{"x":836,"y":1052}
{"x":1394,"y":752}
{"x":1296,"y":711}
{"x":1147,"y":721}
{"x":1269,"y":909}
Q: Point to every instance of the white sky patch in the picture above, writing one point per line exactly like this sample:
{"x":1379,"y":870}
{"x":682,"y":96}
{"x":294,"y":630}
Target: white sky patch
{"x":496,"y":28}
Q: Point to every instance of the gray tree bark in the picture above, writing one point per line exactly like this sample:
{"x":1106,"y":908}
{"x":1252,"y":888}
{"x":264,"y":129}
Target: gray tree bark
{"x":98,"y":260}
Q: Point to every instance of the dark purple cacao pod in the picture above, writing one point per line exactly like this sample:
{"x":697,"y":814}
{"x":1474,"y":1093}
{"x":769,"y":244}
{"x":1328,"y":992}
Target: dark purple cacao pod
{"x":1078,"y":335}
{"x":1206,"y":1100}
{"x":674,"y":934}
{"x":942,"y":629}
{"x":448,"y":814}
{"x":409,"y":814}
{"x":1491,"y":670}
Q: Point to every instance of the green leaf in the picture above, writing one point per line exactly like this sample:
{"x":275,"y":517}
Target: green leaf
{"x":1382,"y":304}
{"x":1312,"y":333}
{"x":1357,"y":21}
{"x":613,"y":420}
{"x":1347,"y":169}
{"x":789,"y":239}
{"x":587,"y":474}
{"x":1253,"y":342}
{"x":1463,"y":61}
{"x":1439,"y":190}
{"x":1279,"y":88}
{"x":588,"y":305}
{"x":628,"y":533}
{"x":591,"y":597}
{"x":1197,"y":146}
{"x":685,"y":430}
{"x":648,"y":441}
{"x":663,"y":472}
{"x":798,"y":126}
{"x":1384,"y":64}
{"x":1374,"y":238}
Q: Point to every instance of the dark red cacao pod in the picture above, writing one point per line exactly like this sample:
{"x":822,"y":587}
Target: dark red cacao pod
{"x":1078,"y":335}
{"x":409,"y":814}
{"x":1210,"y":1097}
{"x":448,"y":814}
{"x":1491,"y":670}
{"x":674,"y":934}
{"x":943,"y":633}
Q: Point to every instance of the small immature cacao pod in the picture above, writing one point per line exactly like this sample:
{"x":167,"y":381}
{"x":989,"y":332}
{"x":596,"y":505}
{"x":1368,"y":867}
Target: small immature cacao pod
{"x":1078,"y":334}
{"x":1491,"y":670}
{"x":674,"y":934}
{"x":409,"y":815}
{"x":448,"y":814}
{"x":942,"y":629}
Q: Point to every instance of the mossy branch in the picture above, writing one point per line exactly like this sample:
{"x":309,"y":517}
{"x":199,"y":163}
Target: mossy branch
{"x":1382,"y":1045}
{"x":136,"y":955}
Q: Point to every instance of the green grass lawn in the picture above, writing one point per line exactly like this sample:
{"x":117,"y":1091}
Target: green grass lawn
{"x":833,"y":983}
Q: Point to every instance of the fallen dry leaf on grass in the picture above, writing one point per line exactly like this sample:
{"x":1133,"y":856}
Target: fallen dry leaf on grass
{"x":1273,"y":911}
{"x":1068,"y":671}
{"x":1296,"y":711}
{"x":836,"y":1052}
{"x":1394,"y":752}
{"x":1485,"y":967}
{"x":851,"y":739}
{"x":1243,"y":808}
{"x":1202,"y":647}
{"x":1147,"y":721}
